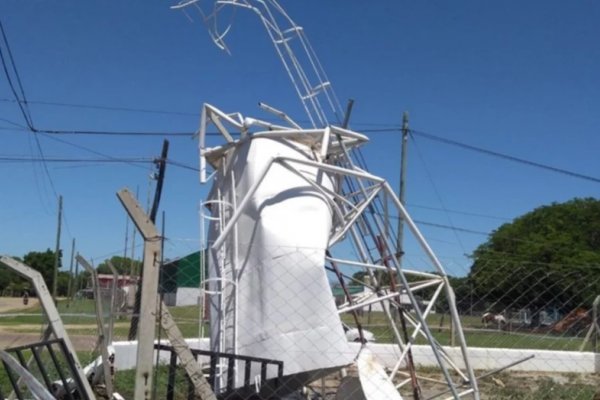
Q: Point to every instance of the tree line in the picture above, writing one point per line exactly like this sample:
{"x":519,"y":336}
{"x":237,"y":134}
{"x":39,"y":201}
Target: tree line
{"x":548,"y":258}
{"x":12,"y":284}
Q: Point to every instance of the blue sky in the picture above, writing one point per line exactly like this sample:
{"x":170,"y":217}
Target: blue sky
{"x":520,"y":78}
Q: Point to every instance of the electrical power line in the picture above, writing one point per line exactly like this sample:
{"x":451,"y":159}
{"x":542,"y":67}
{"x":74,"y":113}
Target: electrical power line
{"x":504,"y":156}
{"x":95,"y":152}
{"x":115,"y":133}
{"x":105,"y":108}
{"x":387,"y":127}
{"x":6,"y":158}
{"x":101,"y":132}
{"x":488,"y":152}
{"x":22,"y":99}
{"x":439,"y":196}
{"x":182,"y":165}
{"x":452,"y":228}
{"x":12,"y":123}
{"x":467,"y":213}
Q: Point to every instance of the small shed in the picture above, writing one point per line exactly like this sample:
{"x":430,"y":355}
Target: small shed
{"x":180,"y":280}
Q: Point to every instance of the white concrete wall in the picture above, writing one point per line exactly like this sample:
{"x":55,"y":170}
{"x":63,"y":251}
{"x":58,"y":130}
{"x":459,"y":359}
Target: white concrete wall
{"x":492,"y":358}
{"x":188,"y":296}
{"x":126,"y":351}
{"x":387,"y":354}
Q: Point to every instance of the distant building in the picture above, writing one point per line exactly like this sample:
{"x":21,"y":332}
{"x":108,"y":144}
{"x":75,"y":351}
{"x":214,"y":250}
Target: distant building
{"x":340,"y":295}
{"x":105,"y":281}
{"x":180,"y":280}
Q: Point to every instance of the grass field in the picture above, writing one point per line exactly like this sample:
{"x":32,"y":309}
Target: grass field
{"x":79,"y":319}
{"x":476,"y":335}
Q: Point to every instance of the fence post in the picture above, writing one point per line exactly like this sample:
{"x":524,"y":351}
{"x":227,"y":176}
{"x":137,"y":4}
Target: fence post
{"x":100,"y":322}
{"x":148,"y":311}
{"x":594,"y":330}
{"x":49,"y":307}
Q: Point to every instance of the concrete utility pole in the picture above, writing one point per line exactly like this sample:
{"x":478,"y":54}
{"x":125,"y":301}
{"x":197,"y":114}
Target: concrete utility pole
{"x":150,"y":303}
{"x":57,"y":250}
{"x":161,"y":164}
{"x":402,"y":193}
{"x":148,"y":294}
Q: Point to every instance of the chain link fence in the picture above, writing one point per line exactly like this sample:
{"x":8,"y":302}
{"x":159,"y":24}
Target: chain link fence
{"x":272,"y":310}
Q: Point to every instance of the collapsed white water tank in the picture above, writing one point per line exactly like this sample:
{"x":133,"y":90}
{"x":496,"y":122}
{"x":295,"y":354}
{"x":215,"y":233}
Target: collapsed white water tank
{"x":271,"y":296}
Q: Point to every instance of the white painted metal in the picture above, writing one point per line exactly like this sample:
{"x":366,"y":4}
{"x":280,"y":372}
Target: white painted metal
{"x":356,"y":204}
{"x":54,"y":320}
{"x":292,"y":46}
{"x":36,"y":388}
{"x":102,"y":342}
{"x":113,"y":298}
{"x":278,"y":317}
{"x":375,"y":383}
{"x":271,"y":170}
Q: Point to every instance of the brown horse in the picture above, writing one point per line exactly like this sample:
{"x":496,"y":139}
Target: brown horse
{"x":574,"y":317}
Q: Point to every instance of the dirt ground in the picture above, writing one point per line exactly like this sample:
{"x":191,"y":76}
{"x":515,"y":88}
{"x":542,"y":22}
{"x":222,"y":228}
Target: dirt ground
{"x":15,"y":304}
{"x":11,"y":337}
{"x":509,"y":385}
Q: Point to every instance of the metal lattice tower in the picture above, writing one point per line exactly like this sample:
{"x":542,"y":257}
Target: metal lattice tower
{"x":364,"y":204}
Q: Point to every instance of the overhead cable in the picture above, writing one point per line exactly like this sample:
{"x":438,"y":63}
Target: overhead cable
{"x":21,"y":99}
{"x":106,"y":108}
{"x":73,"y":160}
{"x":504,"y":156}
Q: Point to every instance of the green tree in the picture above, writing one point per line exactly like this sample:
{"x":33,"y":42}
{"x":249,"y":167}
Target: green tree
{"x":43,"y":262}
{"x":462,"y":292}
{"x":549,"y":257}
{"x":11,"y":283}
{"x":62,"y":286}
{"x":123,"y":265}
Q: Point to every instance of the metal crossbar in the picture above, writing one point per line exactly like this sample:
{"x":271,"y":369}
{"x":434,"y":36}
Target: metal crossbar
{"x":68,"y":377}
{"x":213,"y":375}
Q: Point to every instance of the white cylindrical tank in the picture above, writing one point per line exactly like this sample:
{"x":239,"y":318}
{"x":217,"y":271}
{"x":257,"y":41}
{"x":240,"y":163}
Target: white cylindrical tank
{"x":271,"y":296}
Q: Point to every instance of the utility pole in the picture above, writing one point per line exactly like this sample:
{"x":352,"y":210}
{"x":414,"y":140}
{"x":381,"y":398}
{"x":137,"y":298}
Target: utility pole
{"x":161,"y":164}
{"x":150,"y":302}
{"x":402,"y":194}
{"x":77,"y":283}
{"x":70,"y":287}
{"x":132,"y":268}
{"x":57,"y":249}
